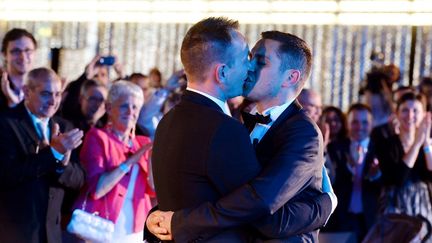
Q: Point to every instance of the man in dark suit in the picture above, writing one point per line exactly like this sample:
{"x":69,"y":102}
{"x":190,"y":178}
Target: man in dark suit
{"x":36,"y":163}
{"x":225,"y":156}
{"x":357,"y":183}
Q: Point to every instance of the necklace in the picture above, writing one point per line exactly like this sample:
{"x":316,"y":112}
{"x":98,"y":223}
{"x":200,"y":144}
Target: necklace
{"x":124,"y":138}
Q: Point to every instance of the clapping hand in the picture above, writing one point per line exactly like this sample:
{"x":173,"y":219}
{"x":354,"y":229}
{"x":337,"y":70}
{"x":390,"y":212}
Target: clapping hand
{"x":423,"y":131}
{"x":65,"y":142}
{"x":12,"y":98}
{"x":134,"y":158}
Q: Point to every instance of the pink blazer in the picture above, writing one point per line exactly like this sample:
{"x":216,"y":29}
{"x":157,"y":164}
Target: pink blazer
{"x":102,"y":152}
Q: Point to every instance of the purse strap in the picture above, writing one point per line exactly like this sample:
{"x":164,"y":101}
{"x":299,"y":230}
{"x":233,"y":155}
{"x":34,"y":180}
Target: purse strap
{"x":84,"y":204}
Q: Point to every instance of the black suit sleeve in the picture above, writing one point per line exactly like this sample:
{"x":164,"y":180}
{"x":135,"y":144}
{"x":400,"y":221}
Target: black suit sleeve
{"x":73,"y":175}
{"x":17,"y":167}
{"x":265,"y":194}
{"x":298,"y":216}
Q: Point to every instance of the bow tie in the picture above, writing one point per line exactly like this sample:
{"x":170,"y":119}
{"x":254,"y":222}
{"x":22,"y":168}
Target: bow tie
{"x":250,"y":120}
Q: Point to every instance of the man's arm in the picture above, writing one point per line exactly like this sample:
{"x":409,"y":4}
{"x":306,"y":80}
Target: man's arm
{"x":289,"y":172}
{"x":73,"y":174}
{"x":318,"y":206}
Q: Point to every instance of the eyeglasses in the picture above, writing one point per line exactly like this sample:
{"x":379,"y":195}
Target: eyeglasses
{"x":93,"y":99}
{"x":17,"y":52}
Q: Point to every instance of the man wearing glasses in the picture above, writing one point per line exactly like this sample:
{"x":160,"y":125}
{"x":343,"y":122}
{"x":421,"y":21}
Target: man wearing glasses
{"x":18,"y":49}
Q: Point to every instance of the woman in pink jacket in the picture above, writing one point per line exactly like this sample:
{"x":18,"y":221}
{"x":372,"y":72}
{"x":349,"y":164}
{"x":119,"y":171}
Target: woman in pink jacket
{"x":117,"y":166}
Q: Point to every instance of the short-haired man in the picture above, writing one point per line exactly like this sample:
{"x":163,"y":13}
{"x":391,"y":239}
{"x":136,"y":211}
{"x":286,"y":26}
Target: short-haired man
{"x":225,"y":152}
{"x":356,"y":183}
{"x":18,"y":49}
{"x":36,"y":164}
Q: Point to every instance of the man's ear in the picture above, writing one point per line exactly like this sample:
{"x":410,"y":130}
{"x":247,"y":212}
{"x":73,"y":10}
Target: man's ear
{"x":292,"y":77}
{"x":220,"y":71}
{"x":26,"y":91}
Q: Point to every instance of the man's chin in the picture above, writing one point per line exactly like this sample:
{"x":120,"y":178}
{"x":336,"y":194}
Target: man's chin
{"x":48,"y":114}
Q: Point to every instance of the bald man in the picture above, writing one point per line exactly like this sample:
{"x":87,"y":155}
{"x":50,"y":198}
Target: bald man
{"x":311,"y":102}
{"x":36,"y":165}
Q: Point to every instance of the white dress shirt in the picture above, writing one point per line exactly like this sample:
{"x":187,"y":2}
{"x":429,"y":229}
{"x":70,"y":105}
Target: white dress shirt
{"x":43,"y":131}
{"x":261,"y":129}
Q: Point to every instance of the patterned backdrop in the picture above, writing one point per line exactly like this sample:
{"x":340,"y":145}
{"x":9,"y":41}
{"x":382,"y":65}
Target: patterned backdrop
{"x":341,"y":53}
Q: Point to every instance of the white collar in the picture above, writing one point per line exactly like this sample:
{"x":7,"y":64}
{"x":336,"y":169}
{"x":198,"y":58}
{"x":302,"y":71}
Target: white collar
{"x":36,"y":119}
{"x":223,"y":105}
{"x":274,"y":111}
{"x":363,"y":143}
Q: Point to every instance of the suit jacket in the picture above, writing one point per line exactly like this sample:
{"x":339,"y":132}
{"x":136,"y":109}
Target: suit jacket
{"x":102,"y":151}
{"x":221,"y":160}
{"x":339,"y":153}
{"x":32,"y":181}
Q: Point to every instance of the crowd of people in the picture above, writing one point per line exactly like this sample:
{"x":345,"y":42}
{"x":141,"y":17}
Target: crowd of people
{"x":378,"y":152}
{"x":117,"y":147}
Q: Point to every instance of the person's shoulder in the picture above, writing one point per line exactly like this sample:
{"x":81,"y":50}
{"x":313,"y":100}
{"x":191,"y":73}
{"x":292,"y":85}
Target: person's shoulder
{"x":231,"y":127}
{"x":97,"y":132}
{"x":301,"y":122}
{"x":338,"y":144}
{"x":14,"y":113}
{"x":383,"y":131}
{"x":61,"y":121}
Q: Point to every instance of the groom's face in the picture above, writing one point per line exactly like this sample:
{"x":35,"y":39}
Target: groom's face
{"x":236,"y":71}
{"x":267,"y":77}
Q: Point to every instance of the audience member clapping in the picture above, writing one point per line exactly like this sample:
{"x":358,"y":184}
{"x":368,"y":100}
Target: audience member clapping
{"x":117,"y":165}
{"x":405,"y":159}
{"x":18,"y":49}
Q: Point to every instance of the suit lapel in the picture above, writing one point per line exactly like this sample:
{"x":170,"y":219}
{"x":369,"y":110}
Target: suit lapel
{"x":291,"y":110}
{"x":26,"y":123}
{"x":23,"y":127}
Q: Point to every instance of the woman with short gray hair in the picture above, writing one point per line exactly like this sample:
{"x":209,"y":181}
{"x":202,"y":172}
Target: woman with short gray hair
{"x":117,"y":165}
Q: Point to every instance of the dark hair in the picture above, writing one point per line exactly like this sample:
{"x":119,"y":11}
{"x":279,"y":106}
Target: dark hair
{"x":206,"y":42}
{"x":359,"y":107}
{"x":89,"y":84}
{"x":155,"y":71}
{"x":425,"y":81}
{"x":137,"y":75}
{"x":404,"y":88}
{"x":411,"y":96}
{"x":293,"y":51}
{"x":378,"y":80}
{"x":15,"y":34}
{"x":342,"y":134}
